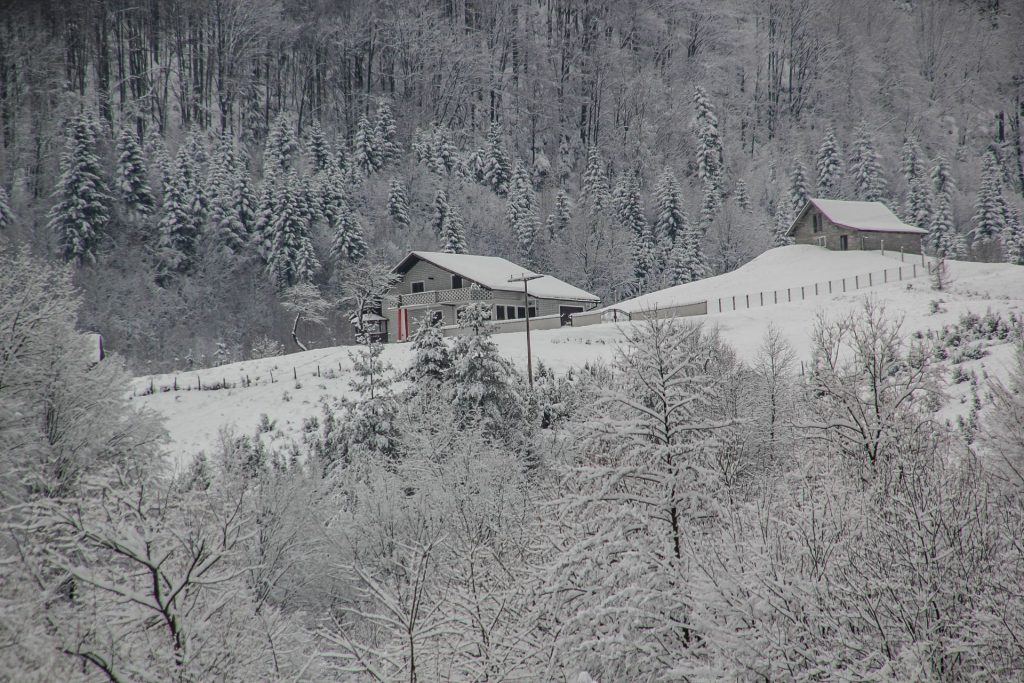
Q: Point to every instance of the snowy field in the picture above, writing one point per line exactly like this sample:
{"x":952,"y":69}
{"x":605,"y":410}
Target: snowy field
{"x":288,"y":388}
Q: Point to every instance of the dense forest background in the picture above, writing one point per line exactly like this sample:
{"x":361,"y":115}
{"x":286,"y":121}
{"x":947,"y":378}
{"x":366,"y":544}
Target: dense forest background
{"x":238,"y":148}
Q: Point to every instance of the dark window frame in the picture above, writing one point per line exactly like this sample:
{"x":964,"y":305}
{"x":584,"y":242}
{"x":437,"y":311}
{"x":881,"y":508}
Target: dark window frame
{"x":422,"y":284}
{"x":816,"y":221}
{"x":499,"y":312}
{"x":457,"y":282}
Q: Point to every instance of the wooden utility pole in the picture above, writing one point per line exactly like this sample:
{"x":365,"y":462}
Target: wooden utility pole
{"x":524,"y":278}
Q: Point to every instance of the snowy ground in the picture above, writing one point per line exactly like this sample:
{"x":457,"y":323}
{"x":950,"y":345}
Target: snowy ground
{"x":193,"y":417}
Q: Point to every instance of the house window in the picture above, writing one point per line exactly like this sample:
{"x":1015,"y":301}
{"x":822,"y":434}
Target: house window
{"x":533,"y":311}
{"x":521,"y":312}
{"x":456,"y":282}
{"x":417,"y":287}
{"x":817,"y":222}
{"x":499,"y":312}
{"x":820,"y":241}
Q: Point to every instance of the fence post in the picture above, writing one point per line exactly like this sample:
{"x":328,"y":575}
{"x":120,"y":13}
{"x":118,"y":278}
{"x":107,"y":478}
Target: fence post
{"x":885,"y":276}
{"x":775,"y":293}
{"x":789,"y":293}
{"x":762,"y":298}
{"x":748,"y":301}
{"x":870,"y":283}
{"x":844,"y":284}
{"x":199,"y":382}
{"x":802,"y":297}
{"x":829,"y":286}
{"x":734,"y":302}
{"x":175,"y":382}
{"x":295,"y":374}
{"x":856,"y":281}
{"x":815,"y":289}
{"x":914,"y":267}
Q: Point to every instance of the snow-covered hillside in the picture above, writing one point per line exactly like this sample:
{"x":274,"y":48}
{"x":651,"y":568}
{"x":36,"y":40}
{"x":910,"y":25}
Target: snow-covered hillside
{"x":289,"y":388}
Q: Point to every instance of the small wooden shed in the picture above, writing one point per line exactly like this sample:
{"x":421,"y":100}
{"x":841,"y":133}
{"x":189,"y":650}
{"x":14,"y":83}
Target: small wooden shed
{"x":845,"y":225}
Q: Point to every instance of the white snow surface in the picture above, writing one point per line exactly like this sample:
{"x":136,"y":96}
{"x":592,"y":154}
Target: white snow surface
{"x":779,"y":268}
{"x":193,"y":418}
{"x":867,"y":216}
{"x":494,"y":273}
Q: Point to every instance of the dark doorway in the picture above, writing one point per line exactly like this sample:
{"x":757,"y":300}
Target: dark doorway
{"x":844,"y":243}
{"x":566,"y":311}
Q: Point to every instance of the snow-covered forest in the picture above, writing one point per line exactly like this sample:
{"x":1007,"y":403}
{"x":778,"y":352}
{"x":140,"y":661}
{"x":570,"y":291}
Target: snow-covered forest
{"x":195,"y":159}
{"x":205,"y":182}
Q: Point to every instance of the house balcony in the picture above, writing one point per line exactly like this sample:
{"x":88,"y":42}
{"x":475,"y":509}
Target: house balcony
{"x":438,"y":296}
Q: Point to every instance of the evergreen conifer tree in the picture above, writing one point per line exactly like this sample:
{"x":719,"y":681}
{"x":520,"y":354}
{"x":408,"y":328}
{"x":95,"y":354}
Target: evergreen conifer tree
{"x":630,"y":209}
{"x":644,"y":251}
{"x":80,"y":216}
{"x":496,"y":168}
{"x":710,"y":160}
{"x":179,"y":226}
{"x":373,"y":416}
{"x":671,"y":221}
{"x":398,"y":203}
{"x":6,"y":214}
{"x":942,"y":177}
{"x":441,"y":209}
{"x":231,"y":201}
{"x":348,"y":242}
{"x":281,"y":149}
{"x":869,"y":182}
{"x":1013,"y":238}
{"x":442,"y":153}
{"x":780,"y":229}
{"x":558,"y":221}
{"x":829,"y":165}
{"x":596,"y":189}
{"x":989,"y":204}
{"x":919,"y":203}
{"x":365,"y":155}
{"x":319,"y":151}
{"x":798,"y":192}
{"x":289,"y":251}
{"x":942,"y":235}
{"x":453,"y":233}
{"x":132,"y":176}
{"x":912,"y":161}
{"x":386,"y":135}
{"x":482,"y":384}
{"x":742,"y":196}
{"x":521,"y":210}
{"x":431,"y":361}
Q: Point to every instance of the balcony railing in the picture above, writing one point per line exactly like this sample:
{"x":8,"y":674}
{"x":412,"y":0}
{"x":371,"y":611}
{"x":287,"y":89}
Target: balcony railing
{"x":438,"y":296}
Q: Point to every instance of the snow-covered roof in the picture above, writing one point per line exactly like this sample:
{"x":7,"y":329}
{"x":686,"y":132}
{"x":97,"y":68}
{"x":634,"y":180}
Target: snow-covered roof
{"x":493,"y":273}
{"x":864,"y":216}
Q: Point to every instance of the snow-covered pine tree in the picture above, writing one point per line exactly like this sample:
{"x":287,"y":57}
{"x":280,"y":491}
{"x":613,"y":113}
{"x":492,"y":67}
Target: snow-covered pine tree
{"x":453,"y":233}
{"x":365,"y":155}
{"x":677,"y":262}
{"x":645,"y":253}
{"x":483,"y":391}
{"x":441,"y":209}
{"x":1013,"y":238}
{"x":671,"y":221}
{"x":373,"y":416}
{"x":496,"y":167}
{"x":161,"y":161}
{"x":629,"y":209}
{"x":386,"y":135}
{"x":320,"y":156}
{"x":420,"y":145}
{"x":133,"y":180}
{"x":80,"y":216}
{"x":347,"y":241}
{"x":942,"y":236}
{"x":989,"y":204}
{"x":710,"y":160}
{"x":918,"y":210}
{"x":799,"y":193}
{"x":942,"y":177}
{"x":266,"y":209}
{"x":398,"y":203}
{"x":596,"y":193}
{"x":179,"y":226}
{"x":289,"y":251}
{"x":558,"y":221}
{"x":431,"y":359}
{"x":742,"y":196}
{"x":829,"y":165}
{"x":912,"y":161}
{"x":868,"y":179}
{"x":443,"y":154}
{"x":6,"y":214}
{"x":780,"y":228}
{"x":226,"y":222}
{"x":281,"y":148}
{"x":521,"y":211}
